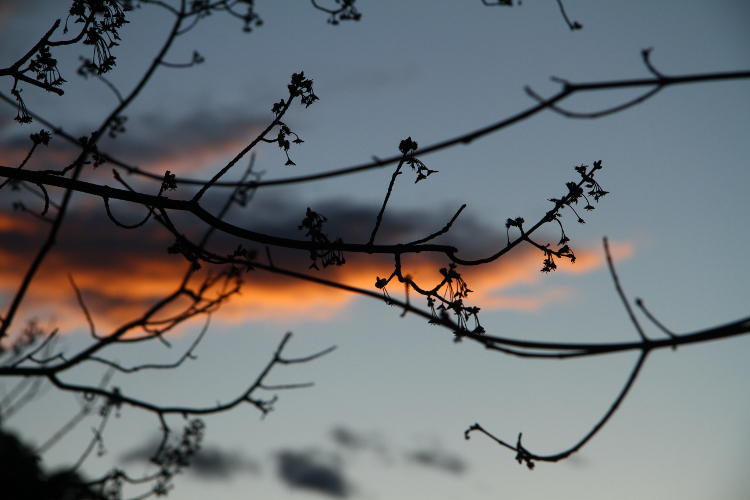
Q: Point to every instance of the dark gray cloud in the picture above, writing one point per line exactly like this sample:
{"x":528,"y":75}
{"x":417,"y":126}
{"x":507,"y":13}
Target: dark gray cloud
{"x":209,"y":462}
{"x":313,"y":471}
{"x":215,"y":463}
{"x":89,"y":238}
{"x":201,"y":135}
{"x":192,"y":142}
{"x":353,"y":221}
{"x":437,"y":459}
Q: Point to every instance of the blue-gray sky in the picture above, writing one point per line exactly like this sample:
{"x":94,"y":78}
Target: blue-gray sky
{"x":677,"y":170}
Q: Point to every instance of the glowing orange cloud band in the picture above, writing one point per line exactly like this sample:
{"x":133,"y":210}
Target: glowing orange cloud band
{"x":124,"y":287}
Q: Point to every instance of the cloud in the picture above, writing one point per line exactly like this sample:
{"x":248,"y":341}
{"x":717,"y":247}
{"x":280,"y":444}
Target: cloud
{"x":437,"y":459}
{"x":311,"y":470}
{"x":215,"y":463}
{"x":347,"y":438}
{"x":121,"y":272}
{"x":196,"y":142}
{"x":208,"y":463}
{"x":352,"y":440}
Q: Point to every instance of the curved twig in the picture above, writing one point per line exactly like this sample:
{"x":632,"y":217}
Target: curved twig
{"x":162,"y":411}
{"x":523,"y":455}
{"x":596,"y":114}
{"x":573,"y":25}
{"x":122,"y":225}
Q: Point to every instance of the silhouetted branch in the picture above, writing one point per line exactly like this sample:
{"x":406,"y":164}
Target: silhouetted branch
{"x":346,"y":11}
{"x":526,"y":348}
{"x":30,"y":392}
{"x":96,"y":439}
{"x":503,"y":3}
{"x":17,"y":73}
{"x":123,"y":225}
{"x":52,"y":235}
{"x":197,"y":59}
{"x":621,"y":293}
{"x":245,"y":397}
{"x":444,"y":230}
{"x":211,"y":277}
{"x":567,"y":90}
{"x":44,"y":40}
{"x":188,"y":354}
{"x":596,"y":114}
{"x":379,"y":217}
{"x":646,"y":55}
{"x":281,"y":111}
{"x":523,"y":455}
{"x":87,"y":405}
{"x":659,"y":324}
{"x":573,"y":25}
{"x":30,"y":355}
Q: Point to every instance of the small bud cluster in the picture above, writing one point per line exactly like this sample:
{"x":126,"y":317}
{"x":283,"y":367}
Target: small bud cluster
{"x":313,"y":226}
{"x":408,"y":147}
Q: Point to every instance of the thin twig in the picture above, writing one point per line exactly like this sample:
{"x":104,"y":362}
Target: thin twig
{"x":82,"y":305}
{"x":523,"y":455}
{"x":621,"y":293}
{"x":573,"y":25}
{"x":379,"y":218}
{"x":652,"y":318}
{"x":444,"y":230}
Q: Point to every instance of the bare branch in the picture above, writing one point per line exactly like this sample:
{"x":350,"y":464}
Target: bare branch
{"x":621,"y":293}
{"x":573,"y":25}
{"x":523,"y":455}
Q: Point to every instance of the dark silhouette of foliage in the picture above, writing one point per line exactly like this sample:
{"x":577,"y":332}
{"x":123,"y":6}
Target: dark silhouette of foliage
{"x":31,"y":353}
{"x":22,"y":477}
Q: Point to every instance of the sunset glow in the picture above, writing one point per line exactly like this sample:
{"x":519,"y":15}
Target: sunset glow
{"x":118,"y":286}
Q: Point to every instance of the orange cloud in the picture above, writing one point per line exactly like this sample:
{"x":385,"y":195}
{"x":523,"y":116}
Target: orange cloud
{"x":10,"y":224}
{"x":120,"y":285}
{"x":493,"y":283}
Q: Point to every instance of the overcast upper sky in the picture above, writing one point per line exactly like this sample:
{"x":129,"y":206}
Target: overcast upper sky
{"x":387,"y":414}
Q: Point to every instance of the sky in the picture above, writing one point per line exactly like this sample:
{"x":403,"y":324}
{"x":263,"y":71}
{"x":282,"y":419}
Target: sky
{"x":386,"y":416}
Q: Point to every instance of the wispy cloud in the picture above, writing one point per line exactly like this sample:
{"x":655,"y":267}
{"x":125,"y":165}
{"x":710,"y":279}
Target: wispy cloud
{"x":185,"y":145}
{"x":351,"y":440}
{"x":216,"y":463}
{"x":438,"y":459}
{"x":191,"y":143}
